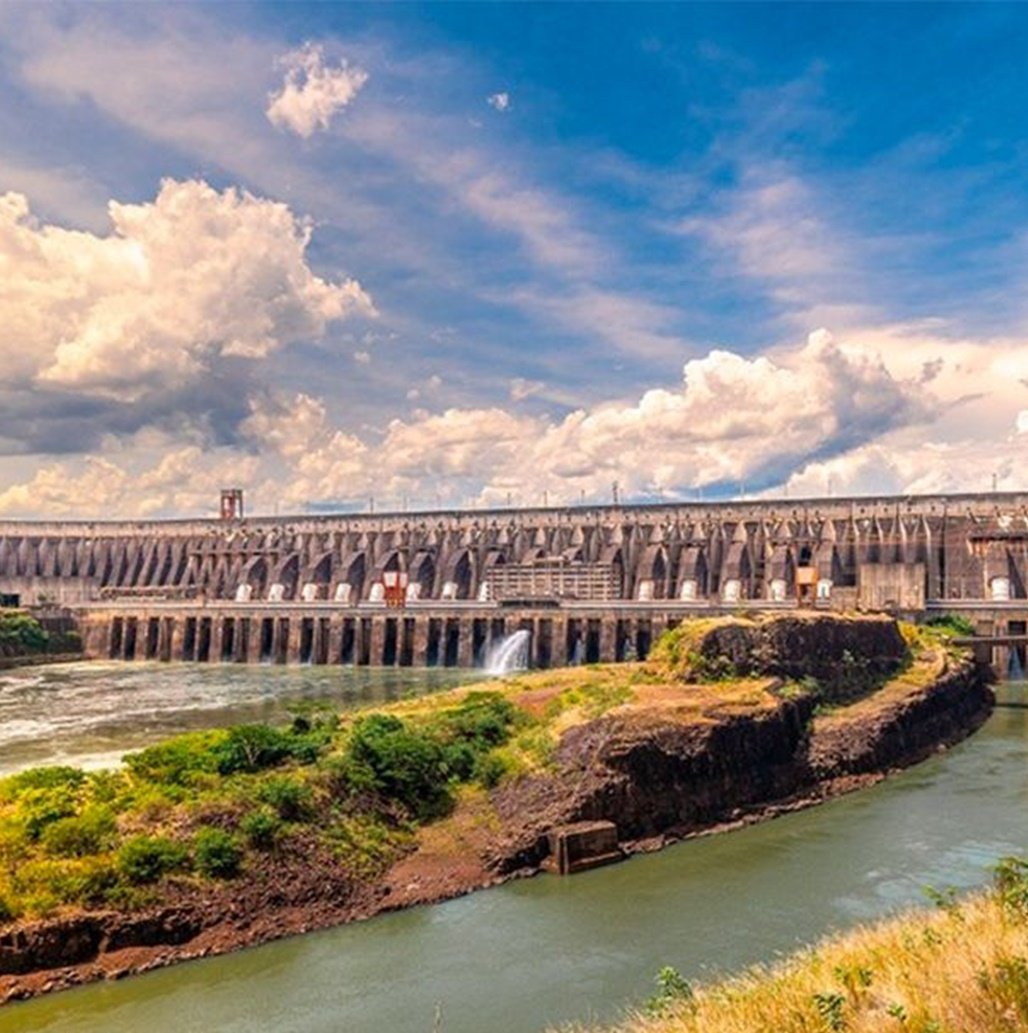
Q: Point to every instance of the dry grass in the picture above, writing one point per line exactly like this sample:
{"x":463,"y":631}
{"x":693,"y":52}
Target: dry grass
{"x":561,"y":698}
{"x":928,"y":664}
{"x":959,"y":970}
{"x":556,"y":700}
{"x":471,"y":825}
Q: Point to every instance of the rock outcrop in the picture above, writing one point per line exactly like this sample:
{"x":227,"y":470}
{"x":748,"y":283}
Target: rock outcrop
{"x":654,"y":776}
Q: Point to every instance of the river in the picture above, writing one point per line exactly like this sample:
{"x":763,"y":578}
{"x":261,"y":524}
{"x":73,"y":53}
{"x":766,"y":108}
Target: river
{"x":89,"y":714}
{"x":538,"y":952}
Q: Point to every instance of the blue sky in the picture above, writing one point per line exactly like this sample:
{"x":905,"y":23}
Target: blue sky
{"x":468,"y":253}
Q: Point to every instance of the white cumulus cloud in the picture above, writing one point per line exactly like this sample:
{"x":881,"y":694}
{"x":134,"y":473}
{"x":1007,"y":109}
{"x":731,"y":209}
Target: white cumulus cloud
{"x":312,"y":92}
{"x":499,"y":101}
{"x":195,"y":277}
{"x":823,"y":416}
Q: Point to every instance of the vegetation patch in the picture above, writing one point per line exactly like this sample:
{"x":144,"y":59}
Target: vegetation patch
{"x":204,"y":805}
{"x":22,"y":635}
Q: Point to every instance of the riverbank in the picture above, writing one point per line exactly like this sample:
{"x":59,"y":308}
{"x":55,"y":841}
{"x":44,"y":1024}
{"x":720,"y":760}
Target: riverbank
{"x":959,"y":967}
{"x":39,"y":660}
{"x":731,"y":750}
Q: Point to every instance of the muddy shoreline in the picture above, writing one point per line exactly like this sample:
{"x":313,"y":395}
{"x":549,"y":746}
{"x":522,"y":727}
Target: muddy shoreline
{"x":8,"y":663}
{"x":737,"y":771}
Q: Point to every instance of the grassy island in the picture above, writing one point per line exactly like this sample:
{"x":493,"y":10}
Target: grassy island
{"x":218,"y":839}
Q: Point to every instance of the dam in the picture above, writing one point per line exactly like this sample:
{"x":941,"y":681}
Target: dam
{"x":587,"y":583}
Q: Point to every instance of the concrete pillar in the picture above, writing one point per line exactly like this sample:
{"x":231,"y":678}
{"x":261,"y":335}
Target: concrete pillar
{"x":608,"y":639}
{"x":177,"y":638}
{"x":165,"y":644}
{"x":542,"y":638}
{"x":561,"y":656}
{"x":96,"y":639}
{"x":1001,"y":661}
{"x":421,"y":641}
{"x":293,"y":640}
{"x":466,"y":645}
{"x":217,"y":639}
{"x":322,"y":640}
{"x":335,"y":639}
{"x":377,"y":640}
{"x":253,"y":639}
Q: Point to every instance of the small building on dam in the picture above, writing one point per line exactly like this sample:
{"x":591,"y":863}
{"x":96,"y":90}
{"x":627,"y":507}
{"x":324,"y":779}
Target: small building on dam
{"x":589,"y":583}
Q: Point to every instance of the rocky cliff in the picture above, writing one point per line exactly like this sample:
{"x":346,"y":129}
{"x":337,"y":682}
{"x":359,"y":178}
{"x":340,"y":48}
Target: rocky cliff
{"x":654,"y":776}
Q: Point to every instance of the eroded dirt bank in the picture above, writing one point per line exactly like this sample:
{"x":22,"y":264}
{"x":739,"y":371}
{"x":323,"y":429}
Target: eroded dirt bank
{"x":675,"y":761}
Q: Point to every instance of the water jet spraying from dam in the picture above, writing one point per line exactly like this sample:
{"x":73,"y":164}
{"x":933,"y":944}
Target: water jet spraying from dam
{"x":509,"y":654}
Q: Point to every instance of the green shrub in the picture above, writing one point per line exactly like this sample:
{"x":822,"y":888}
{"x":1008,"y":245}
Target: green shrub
{"x":459,"y":759}
{"x":20,"y":633}
{"x":178,"y":761}
{"x":1010,"y":877}
{"x":42,"y":884}
{"x":289,"y":798}
{"x":262,"y":828}
{"x":144,"y":859}
{"x":491,"y":769}
{"x":14,"y":842}
{"x":52,"y":777}
{"x":672,"y":989}
{"x":252,"y":748}
{"x":217,"y":853}
{"x":307,"y":740}
{"x":346,"y":777}
{"x":830,"y":1007}
{"x":108,"y":787}
{"x":92,"y":882}
{"x":953,"y":624}
{"x":38,"y":808}
{"x":402,"y":763}
{"x":90,"y":832}
{"x":483,"y":719}
{"x":64,"y":642}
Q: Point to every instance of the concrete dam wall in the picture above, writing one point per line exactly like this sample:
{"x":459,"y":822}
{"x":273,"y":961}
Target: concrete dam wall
{"x":588,"y":583}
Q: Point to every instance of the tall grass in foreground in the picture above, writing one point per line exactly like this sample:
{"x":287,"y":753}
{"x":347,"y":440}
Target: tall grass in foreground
{"x":962,"y":968}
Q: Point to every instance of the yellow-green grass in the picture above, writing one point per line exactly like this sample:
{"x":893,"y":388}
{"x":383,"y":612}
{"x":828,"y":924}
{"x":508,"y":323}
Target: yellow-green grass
{"x":959,"y":969}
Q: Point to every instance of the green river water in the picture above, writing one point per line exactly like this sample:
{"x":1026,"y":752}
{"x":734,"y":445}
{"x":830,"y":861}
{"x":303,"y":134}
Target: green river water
{"x":537,"y":952}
